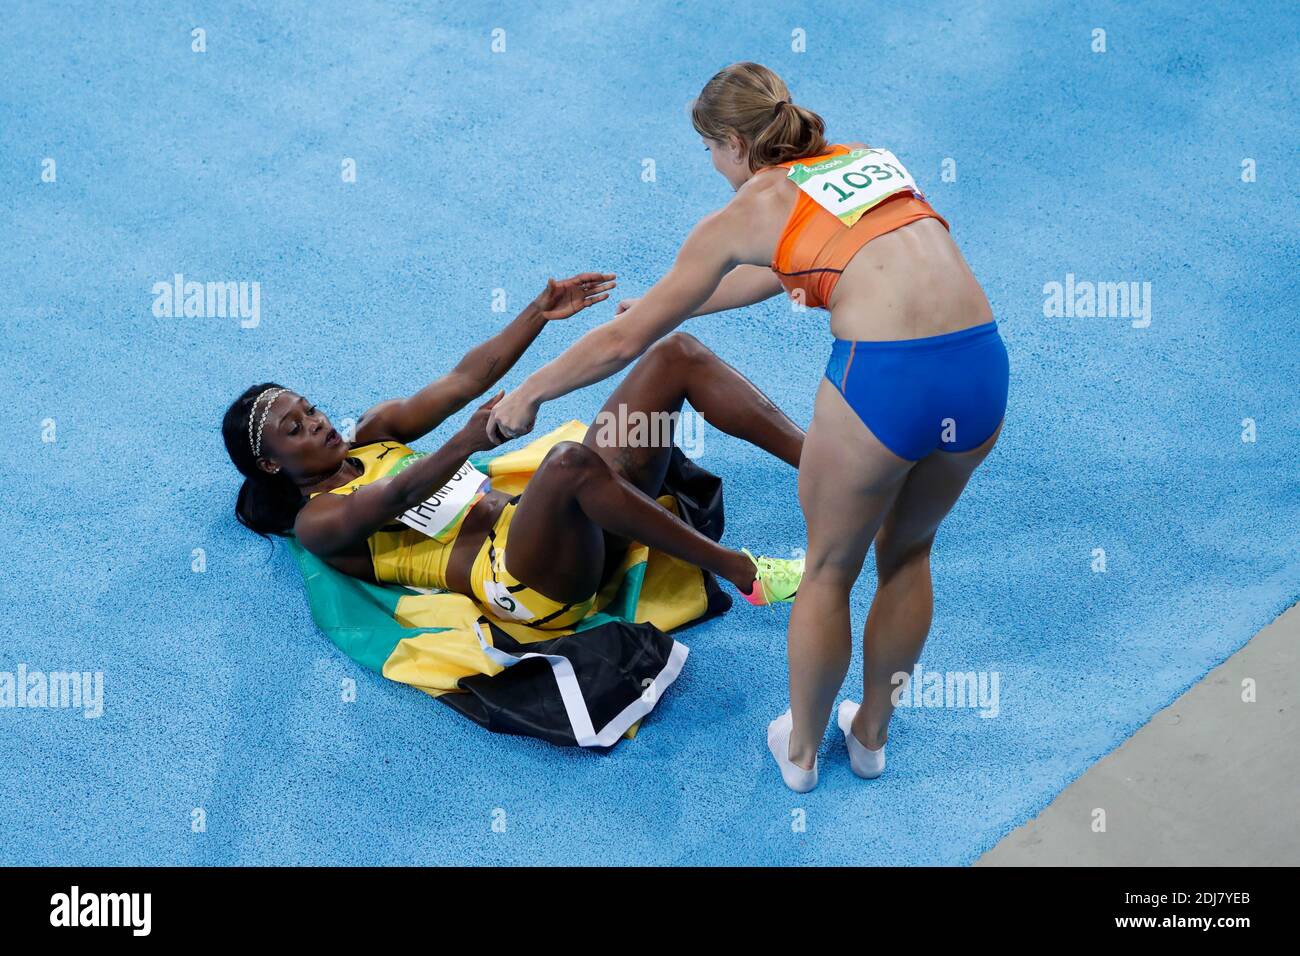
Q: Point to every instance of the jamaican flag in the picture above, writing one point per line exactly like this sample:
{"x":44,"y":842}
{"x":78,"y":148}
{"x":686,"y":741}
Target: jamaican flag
{"x":585,"y":686}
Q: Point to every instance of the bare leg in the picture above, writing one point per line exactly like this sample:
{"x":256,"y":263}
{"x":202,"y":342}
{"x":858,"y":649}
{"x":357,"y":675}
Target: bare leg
{"x":680,"y":368}
{"x":556,"y":544}
{"x":847,"y":482}
{"x":899,"y":620}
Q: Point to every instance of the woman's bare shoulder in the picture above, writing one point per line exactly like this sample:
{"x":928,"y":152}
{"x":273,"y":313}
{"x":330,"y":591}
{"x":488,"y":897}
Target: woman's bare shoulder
{"x":765,"y":199}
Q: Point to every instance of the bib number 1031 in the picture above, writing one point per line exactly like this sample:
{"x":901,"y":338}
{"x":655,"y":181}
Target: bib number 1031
{"x":849,"y":186}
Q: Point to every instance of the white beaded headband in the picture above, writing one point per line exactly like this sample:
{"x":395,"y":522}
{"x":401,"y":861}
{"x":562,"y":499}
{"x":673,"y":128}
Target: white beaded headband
{"x":256,"y":443}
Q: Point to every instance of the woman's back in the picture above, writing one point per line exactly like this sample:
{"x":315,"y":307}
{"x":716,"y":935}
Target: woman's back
{"x":909,"y":280}
{"x":909,"y":283}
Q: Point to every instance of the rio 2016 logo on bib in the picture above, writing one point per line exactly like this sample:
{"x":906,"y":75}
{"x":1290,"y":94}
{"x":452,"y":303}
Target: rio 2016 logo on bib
{"x":849,"y":186}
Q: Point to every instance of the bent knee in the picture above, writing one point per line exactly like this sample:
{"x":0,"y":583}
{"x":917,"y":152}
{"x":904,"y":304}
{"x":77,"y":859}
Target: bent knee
{"x":570,"y":456}
{"x":677,"y":348}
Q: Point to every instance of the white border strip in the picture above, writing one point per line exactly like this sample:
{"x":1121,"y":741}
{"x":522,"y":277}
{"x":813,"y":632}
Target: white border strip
{"x":571,"y":694}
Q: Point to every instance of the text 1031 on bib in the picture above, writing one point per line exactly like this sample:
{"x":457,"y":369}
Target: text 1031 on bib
{"x":849,"y":186}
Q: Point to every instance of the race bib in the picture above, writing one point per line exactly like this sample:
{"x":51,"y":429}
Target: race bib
{"x":504,"y":604}
{"x":443,"y":509}
{"x":849,"y":186}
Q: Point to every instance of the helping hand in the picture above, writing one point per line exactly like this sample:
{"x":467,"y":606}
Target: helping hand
{"x":475,"y":428}
{"x":568,"y":297}
{"x":513,"y":416}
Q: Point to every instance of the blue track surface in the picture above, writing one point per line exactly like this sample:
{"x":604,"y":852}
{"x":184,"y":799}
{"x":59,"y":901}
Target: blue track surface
{"x":221,"y":694}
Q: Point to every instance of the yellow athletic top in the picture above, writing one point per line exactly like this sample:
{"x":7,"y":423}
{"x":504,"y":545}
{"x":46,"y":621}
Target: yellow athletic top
{"x":399,"y":553}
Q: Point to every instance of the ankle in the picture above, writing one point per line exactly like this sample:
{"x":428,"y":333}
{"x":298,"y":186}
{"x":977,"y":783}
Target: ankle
{"x":873,"y":738}
{"x":802,"y":757}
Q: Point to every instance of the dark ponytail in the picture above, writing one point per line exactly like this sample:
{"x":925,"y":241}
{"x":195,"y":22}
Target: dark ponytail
{"x":753,"y":103}
{"x":267,"y":504}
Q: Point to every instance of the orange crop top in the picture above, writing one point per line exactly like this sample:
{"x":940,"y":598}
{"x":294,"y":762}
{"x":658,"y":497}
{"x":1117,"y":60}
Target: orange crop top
{"x":815,"y":246}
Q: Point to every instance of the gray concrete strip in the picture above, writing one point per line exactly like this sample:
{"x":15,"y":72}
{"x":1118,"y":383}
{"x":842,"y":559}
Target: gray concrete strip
{"x":1211,"y":780}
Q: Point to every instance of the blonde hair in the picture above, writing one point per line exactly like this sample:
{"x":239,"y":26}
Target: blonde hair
{"x":753,"y":103}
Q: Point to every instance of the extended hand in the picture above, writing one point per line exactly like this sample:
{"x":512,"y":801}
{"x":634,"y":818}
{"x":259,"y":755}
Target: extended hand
{"x":476,"y":428}
{"x":568,"y":297}
{"x":511,"y":417}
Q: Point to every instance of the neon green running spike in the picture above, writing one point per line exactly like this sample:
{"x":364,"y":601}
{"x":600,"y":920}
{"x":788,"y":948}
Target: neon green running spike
{"x":776,"y":580}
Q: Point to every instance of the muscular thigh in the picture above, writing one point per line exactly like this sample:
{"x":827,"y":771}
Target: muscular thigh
{"x":553,"y":546}
{"x":847,"y":482}
{"x":633,"y":432}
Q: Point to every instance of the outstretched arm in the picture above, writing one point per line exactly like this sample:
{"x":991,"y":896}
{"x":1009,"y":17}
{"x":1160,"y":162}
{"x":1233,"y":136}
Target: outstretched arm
{"x":705,"y":257}
{"x":406,"y":419}
{"x":744,"y":285}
